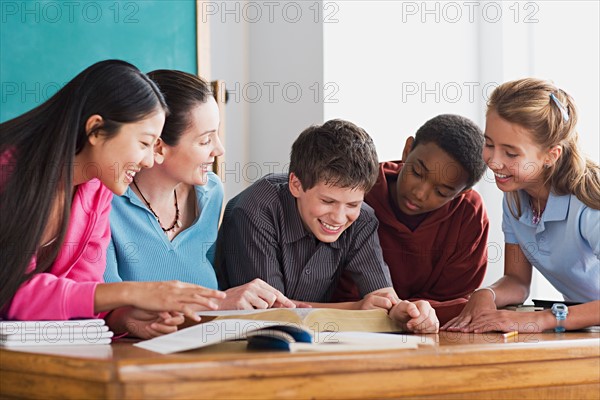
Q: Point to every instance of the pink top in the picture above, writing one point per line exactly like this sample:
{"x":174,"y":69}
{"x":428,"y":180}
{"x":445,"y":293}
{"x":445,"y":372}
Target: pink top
{"x":66,"y":290}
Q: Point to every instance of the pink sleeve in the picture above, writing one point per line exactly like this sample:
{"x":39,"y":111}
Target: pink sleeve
{"x":67,"y":290}
{"x":48,"y":297}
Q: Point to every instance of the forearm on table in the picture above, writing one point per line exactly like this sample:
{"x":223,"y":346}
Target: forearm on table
{"x":509,"y":290}
{"x":583,"y":315}
{"x":109,"y":296}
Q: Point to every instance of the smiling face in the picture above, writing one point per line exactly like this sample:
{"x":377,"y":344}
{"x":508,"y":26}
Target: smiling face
{"x":429,"y":179}
{"x":117,"y":159}
{"x":192,"y":157}
{"x":326,"y":210}
{"x":509,"y":151}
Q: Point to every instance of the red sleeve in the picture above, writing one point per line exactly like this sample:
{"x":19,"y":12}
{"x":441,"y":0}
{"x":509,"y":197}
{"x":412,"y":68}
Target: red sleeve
{"x":461,"y":269}
{"x":464,"y":269}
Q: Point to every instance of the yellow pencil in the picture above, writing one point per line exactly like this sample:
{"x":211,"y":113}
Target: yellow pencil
{"x":510,"y":334}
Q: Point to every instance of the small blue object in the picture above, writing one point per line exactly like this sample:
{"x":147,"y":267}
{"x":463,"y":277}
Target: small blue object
{"x":560,"y":311}
{"x":278,"y":337}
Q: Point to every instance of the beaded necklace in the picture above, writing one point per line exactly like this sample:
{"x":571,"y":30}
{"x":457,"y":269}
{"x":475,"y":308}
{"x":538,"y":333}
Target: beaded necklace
{"x":176,"y":223}
{"x":537,"y":212}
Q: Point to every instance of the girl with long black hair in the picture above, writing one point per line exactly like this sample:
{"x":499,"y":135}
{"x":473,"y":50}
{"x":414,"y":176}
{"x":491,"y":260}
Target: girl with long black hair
{"x":60,"y":164}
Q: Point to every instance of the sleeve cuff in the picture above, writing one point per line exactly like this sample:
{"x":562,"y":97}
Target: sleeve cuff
{"x":79,"y":301}
{"x":510,"y":238}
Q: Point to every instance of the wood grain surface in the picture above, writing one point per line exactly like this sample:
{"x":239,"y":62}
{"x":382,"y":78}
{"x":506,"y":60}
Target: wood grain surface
{"x":528,"y":366}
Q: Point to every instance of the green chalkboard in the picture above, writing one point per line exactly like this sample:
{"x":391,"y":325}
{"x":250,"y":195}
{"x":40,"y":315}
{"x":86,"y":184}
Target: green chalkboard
{"x":43,"y":44}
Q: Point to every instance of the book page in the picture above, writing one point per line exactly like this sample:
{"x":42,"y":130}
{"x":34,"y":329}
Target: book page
{"x":55,"y":331}
{"x":54,"y":337}
{"x":273,"y":314}
{"x":361,"y":341}
{"x":317,"y":319}
{"x":203,"y":335}
{"x":85,"y":351}
{"x":7,"y":327}
{"x":229,"y":313}
{"x":40,"y":333}
{"x":327,"y":319}
{"x":375,"y":339}
{"x":60,"y":343}
{"x":275,"y":335}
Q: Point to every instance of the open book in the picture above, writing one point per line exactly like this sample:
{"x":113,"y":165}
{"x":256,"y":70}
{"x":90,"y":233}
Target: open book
{"x":48,"y":333}
{"x":275,"y":335}
{"x":315,"y":319}
{"x":300,"y":329}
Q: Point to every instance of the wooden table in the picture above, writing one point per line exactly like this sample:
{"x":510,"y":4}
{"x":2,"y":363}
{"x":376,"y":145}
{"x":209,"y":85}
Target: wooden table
{"x":458,"y":366}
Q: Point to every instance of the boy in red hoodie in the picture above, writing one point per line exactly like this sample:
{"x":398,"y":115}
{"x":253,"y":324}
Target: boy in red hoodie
{"x":433,"y":226}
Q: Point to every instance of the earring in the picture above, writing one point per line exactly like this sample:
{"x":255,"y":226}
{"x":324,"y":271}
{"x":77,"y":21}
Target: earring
{"x":159,"y":158}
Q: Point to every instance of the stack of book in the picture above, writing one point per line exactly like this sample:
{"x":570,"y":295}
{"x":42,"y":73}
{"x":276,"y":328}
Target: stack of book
{"x":52,"y":333}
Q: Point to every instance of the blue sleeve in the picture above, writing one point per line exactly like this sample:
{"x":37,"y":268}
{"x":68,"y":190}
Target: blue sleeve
{"x":507,"y":222}
{"x":111,"y":273}
{"x":589,"y":226}
{"x":216,"y":199}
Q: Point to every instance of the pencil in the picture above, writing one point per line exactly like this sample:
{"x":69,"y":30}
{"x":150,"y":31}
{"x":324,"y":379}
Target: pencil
{"x":510,"y":334}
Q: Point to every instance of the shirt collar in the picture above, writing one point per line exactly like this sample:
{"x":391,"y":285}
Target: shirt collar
{"x":133,"y":198}
{"x":557,"y":209}
{"x":201,"y":191}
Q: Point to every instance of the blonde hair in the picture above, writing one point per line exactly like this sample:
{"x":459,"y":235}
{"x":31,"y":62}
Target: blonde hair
{"x":551,"y":121}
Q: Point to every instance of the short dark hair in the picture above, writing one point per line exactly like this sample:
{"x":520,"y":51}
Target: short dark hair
{"x":458,"y":136}
{"x":183,"y":92}
{"x":337,"y":153}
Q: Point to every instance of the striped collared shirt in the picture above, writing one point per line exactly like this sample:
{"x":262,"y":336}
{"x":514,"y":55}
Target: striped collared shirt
{"x":262,"y":236}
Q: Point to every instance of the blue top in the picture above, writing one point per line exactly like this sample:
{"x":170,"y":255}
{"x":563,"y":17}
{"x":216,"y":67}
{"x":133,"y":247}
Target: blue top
{"x":140,"y":250}
{"x":564,"y":246}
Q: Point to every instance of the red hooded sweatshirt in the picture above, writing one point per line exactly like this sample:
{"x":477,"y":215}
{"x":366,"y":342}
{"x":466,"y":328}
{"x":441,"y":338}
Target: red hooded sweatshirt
{"x":443,"y":260}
